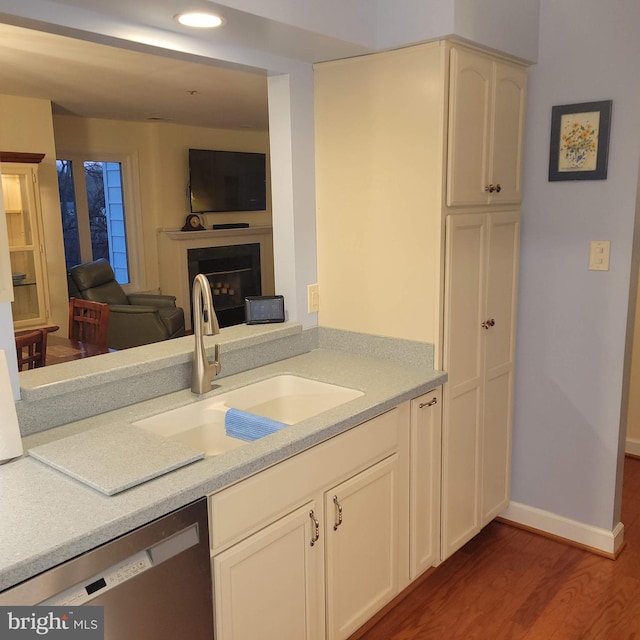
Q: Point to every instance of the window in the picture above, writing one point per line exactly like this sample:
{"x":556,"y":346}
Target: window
{"x":96,"y":220}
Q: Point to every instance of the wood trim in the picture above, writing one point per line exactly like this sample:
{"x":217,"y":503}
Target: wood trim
{"x":17,"y":156}
{"x":572,"y":543}
{"x":632,"y":448}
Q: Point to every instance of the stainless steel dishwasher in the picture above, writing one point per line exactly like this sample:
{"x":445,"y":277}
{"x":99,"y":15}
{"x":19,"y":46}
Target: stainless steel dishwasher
{"x":154,"y":582}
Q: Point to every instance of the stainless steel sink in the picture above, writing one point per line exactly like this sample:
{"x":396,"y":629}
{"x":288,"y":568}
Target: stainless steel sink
{"x":285,"y":398}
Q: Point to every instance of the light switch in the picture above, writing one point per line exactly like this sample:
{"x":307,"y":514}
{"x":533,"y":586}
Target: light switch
{"x":599,"y":255}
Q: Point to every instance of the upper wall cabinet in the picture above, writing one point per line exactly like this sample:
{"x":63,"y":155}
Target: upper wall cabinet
{"x":485,"y":133}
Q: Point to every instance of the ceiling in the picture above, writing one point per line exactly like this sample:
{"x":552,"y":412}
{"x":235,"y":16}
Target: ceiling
{"x":96,"y":80}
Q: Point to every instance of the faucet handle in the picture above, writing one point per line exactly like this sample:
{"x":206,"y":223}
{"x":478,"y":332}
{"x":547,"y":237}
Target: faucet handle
{"x":216,"y":358}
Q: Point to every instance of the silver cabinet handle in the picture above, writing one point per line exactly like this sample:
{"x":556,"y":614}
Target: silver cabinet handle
{"x":488,"y":324}
{"x":422,"y":405}
{"x":316,"y":528}
{"x":338,"y":506}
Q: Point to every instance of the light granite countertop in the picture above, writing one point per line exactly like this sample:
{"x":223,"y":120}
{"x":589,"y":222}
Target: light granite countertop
{"x":47,"y":517}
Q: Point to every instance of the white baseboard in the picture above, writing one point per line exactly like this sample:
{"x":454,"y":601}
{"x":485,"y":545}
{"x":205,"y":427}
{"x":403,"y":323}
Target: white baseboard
{"x":632,"y":446}
{"x":603,"y":540}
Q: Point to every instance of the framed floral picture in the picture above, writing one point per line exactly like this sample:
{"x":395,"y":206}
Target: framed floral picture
{"x":580,"y":141}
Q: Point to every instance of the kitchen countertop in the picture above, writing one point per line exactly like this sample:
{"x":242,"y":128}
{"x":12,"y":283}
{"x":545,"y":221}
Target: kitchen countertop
{"x":47,"y":517}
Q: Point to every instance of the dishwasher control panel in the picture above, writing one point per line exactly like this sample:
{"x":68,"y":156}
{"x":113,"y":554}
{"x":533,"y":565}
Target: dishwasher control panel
{"x":127,"y":569}
{"x":112,"y":577}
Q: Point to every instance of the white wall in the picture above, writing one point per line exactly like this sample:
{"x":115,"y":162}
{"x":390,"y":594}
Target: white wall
{"x":355,"y":21}
{"x":571,"y":329}
{"x":505,"y":25}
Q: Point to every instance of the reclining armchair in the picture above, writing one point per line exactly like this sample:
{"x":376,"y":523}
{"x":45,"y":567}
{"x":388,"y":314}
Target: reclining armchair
{"x":134,"y":319}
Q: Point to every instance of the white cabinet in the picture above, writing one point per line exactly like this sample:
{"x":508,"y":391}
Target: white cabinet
{"x":267,"y":585}
{"x":486,"y":126}
{"x":432,"y":131}
{"x":361,"y":546}
{"x":480,"y":313}
{"x":23,"y":216}
{"x":425,"y":470}
{"x":285,"y":566}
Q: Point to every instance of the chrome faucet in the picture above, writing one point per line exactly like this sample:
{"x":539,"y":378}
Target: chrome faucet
{"x":205,"y":322}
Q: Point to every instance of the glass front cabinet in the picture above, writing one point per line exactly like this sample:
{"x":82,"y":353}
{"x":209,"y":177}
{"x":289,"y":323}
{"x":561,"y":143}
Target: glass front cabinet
{"x":21,"y":196}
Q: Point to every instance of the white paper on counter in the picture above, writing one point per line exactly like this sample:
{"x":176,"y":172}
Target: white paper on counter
{"x":10,"y":439}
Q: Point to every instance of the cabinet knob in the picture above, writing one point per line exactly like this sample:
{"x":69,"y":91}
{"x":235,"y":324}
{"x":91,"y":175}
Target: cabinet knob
{"x":487,"y":324}
{"x":498,"y":188}
{"x":422,"y":405}
{"x":316,"y":528}
{"x":490,"y":188}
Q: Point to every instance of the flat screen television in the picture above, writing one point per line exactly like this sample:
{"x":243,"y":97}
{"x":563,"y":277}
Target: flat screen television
{"x":227,"y":181}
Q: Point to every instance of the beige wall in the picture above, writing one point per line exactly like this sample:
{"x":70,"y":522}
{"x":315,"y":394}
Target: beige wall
{"x":162,"y":158}
{"x":26,"y":126}
{"x":379,"y":192}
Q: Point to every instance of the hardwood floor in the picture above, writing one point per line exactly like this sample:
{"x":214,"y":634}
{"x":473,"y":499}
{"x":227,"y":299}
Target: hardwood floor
{"x":510,"y":584}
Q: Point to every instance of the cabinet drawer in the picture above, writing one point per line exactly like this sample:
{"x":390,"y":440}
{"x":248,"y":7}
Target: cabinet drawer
{"x":247,"y":506}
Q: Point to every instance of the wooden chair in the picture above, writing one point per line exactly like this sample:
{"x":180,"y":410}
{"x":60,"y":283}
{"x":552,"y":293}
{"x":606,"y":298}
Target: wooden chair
{"x":31,"y":348}
{"x":88,"y":321}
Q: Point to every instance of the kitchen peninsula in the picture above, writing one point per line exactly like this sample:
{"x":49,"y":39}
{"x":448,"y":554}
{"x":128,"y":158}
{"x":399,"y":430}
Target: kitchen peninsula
{"x":48,"y":517}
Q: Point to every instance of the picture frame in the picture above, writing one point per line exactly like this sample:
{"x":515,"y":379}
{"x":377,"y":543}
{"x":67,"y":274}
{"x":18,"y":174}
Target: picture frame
{"x":580,"y":141}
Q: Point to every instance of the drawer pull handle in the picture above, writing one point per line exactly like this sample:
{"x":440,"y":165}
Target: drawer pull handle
{"x":316,"y":528}
{"x":338,"y":521}
{"x":422,"y":405}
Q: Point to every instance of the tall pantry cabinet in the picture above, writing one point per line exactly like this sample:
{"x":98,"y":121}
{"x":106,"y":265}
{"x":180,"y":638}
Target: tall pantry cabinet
{"x":418,"y":163}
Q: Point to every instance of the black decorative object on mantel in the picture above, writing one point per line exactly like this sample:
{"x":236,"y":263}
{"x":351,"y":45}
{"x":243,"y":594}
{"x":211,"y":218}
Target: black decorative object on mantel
{"x":193,"y":223}
{"x":231,"y":225}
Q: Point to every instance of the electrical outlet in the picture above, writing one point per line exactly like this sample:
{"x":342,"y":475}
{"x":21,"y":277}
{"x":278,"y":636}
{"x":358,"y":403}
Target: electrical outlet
{"x":599,"y":251}
{"x":313,"y":298}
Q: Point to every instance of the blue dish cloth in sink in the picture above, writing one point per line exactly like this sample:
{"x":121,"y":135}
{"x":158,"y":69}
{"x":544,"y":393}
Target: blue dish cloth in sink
{"x":249,"y":426}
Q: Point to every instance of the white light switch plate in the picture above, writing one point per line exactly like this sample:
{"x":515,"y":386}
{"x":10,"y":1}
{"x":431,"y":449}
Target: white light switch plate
{"x":599,"y":251}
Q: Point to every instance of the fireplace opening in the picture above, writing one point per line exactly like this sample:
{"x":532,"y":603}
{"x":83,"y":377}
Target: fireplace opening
{"x":233,"y":272}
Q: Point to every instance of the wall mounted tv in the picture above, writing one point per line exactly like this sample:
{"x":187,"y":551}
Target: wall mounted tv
{"x":227,"y":181}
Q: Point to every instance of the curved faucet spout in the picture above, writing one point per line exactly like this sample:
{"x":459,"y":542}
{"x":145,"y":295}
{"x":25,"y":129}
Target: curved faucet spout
{"x":205,"y":322}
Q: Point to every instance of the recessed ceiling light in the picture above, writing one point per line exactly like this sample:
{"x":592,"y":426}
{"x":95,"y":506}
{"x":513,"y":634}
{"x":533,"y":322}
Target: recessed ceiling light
{"x":199,"y":20}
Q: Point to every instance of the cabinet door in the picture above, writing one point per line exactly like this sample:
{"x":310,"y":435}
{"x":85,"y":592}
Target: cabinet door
{"x":499,"y":356}
{"x":480,"y":314}
{"x":507,"y":132}
{"x":486,"y":126}
{"x":468,"y":171}
{"x":269,"y":585}
{"x":426,"y":430}
{"x":361,"y":547}
{"x":465,"y":287}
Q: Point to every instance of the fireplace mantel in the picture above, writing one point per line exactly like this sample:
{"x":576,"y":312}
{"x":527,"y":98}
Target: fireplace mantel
{"x":174,"y":244}
{"x":189,"y":236}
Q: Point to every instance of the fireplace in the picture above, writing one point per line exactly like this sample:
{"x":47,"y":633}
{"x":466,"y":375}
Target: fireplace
{"x":233,"y":272}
